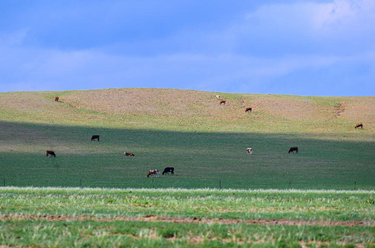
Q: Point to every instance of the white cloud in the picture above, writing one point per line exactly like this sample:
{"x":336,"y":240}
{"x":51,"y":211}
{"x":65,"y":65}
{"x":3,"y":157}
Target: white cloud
{"x":43,"y":69}
{"x":344,"y":14}
{"x":313,"y":17}
{"x":13,"y":39}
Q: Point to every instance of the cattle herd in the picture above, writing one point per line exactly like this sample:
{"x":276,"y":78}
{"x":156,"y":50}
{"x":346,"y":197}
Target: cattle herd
{"x":170,"y":170}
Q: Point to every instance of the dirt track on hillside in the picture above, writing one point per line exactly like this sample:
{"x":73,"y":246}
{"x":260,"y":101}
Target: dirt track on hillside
{"x":154,"y":218}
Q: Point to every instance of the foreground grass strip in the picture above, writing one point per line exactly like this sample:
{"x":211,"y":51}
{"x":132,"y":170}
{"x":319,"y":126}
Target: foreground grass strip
{"x":153,"y":218}
{"x":74,"y":217}
{"x":162,"y":234}
{"x":199,"y":204}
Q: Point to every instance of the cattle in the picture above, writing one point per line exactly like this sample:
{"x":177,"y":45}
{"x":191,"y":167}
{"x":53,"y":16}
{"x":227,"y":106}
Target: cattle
{"x":153,"y":172}
{"x":57,"y":99}
{"x":293,"y":149}
{"x":249,"y":150}
{"x":359,"y":125}
{"x":218,"y":97}
{"x":222,"y":102}
{"x":95,"y":137}
{"x":129,"y":154}
{"x":249,"y":110}
{"x":168,"y":170}
{"x":52,"y":153}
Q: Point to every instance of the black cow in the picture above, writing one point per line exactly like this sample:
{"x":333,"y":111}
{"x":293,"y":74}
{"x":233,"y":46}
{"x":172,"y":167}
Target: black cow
{"x":94,"y":137}
{"x":293,"y":149}
{"x":168,"y":170}
{"x":52,"y":153}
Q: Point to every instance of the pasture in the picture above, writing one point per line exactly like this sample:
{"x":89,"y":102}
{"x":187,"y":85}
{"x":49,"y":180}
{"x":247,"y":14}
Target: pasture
{"x":205,"y":143}
{"x":188,"y":130}
{"x":200,"y":159}
{"x":185,"y":218}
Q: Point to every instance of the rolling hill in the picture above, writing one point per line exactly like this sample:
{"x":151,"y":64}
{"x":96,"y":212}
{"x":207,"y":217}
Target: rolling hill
{"x":190,"y":131}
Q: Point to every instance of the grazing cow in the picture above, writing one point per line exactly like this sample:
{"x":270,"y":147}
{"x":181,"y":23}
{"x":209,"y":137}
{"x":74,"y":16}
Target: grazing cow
{"x":249,"y":110}
{"x":153,"y":172}
{"x":293,"y":149}
{"x":358,"y":125}
{"x":249,"y":150}
{"x":222,"y":102}
{"x":168,"y":170}
{"x":218,"y":97}
{"x":52,"y":153}
{"x":57,"y":99}
{"x":95,"y":137}
{"x":129,"y":154}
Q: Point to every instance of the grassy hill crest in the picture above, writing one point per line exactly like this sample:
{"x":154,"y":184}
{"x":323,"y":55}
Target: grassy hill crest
{"x":188,"y":110}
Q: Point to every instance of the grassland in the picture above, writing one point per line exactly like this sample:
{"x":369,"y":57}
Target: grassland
{"x":206,"y":144}
{"x":188,"y":130}
{"x":183,"y":218}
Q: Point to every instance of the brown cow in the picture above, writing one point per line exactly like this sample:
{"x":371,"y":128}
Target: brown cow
{"x":293,"y":149}
{"x":95,"y":137}
{"x":129,"y":154}
{"x":222,"y":102}
{"x":249,"y":110}
{"x":358,"y":125}
{"x":52,"y":153}
{"x":153,"y":172}
{"x":57,"y":99}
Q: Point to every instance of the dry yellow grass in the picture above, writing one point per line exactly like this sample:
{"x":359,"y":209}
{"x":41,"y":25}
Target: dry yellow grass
{"x":187,"y":110}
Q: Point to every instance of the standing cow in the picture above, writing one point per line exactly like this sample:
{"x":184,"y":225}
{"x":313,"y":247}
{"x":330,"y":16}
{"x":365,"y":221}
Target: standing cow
{"x":359,"y":125}
{"x":293,"y":149}
{"x":51,"y":153}
{"x":95,"y":137}
{"x":153,"y":172}
{"x":249,"y":150}
{"x":168,"y":170}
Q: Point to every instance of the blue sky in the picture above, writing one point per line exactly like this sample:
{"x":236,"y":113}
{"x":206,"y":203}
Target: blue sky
{"x":323,"y":48}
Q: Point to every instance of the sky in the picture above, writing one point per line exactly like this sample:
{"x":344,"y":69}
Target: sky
{"x":313,"y":48}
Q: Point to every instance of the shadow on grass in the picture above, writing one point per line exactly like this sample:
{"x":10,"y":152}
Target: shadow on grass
{"x":200,"y":159}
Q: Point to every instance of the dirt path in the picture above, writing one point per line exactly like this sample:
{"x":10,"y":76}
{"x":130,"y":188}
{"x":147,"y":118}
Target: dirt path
{"x":153,"y":218}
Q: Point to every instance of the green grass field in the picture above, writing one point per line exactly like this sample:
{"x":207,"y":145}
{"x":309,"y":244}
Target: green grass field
{"x":206,"y":144}
{"x":185,"y":218}
{"x":190,"y":131}
{"x":200,"y":159}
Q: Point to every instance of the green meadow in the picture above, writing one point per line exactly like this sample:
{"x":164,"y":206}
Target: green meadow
{"x":53,"y":217}
{"x":200,"y":159}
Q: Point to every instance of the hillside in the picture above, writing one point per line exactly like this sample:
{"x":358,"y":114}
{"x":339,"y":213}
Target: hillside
{"x":190,"y":131}
{"x":186,"y":110}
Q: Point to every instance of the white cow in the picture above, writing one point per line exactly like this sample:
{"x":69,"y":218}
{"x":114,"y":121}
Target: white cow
{"x":218,"y":97}
{"x":249,"y":150}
